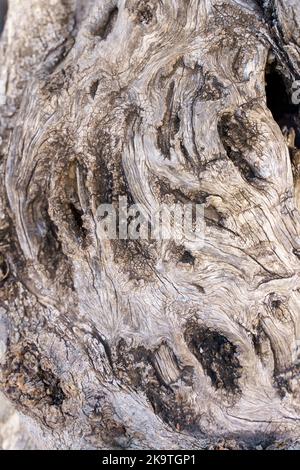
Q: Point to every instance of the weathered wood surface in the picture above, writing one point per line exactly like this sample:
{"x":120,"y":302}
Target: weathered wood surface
{"x":138,"y":344}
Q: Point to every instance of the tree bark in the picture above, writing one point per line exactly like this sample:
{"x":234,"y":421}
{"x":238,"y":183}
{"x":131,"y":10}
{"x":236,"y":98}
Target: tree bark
{"x":151,"y":344}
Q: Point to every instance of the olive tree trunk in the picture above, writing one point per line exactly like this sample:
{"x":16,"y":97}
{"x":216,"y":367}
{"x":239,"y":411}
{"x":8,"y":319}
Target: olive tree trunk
{"x":151,"y":343}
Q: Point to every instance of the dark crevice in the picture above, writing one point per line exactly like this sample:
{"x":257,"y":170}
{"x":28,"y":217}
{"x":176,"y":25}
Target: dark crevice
{"x":78,"y":221}
{"x":199,"y":288}
{"x":51,"y":243}
{"x":265,"y":7}
{"x":52,"y":387}
{"x":258,"y":340}
{"x":246,"y":170}
{"x":260,"y":5}
{"x":105,"y":345}
{"x":94,"y":88}
{"x":236,"y":137}
{"x":165,"y":189}
{"x":125,"y":188}
{"x":279,"y":101}
{"x":217,"y":355}
{"x":3,"y":14}
{"x":50,"y":247}
{"x":185,"y":153}
{"x":106,"y":27}
{"x":296,"y":252}
{"x":270,"y":11}
{"x":256,"y":343}
{"x":213,"y":218}
{"x":187,"y":258}
{"x":170,"y":125}
{"x":4,"y":269}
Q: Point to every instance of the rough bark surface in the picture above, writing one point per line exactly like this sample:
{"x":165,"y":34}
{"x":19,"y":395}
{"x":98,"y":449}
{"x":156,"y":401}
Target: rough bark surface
{"x":138,"y":344}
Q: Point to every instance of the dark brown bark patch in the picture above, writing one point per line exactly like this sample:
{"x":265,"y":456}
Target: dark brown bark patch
{"x":217,"y":355}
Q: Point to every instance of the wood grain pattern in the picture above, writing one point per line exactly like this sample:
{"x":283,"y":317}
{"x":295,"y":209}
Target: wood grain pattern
{"x":125,"y":344}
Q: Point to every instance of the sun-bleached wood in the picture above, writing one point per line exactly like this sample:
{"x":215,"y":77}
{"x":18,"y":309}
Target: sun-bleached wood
{"x":125,"y":344}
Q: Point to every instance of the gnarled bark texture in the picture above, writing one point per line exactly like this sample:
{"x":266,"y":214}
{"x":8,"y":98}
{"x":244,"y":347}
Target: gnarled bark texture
{"x":139,"y":344}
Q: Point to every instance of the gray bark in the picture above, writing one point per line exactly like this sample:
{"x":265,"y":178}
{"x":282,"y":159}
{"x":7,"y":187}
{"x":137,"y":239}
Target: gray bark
{"x":114,"y":344}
